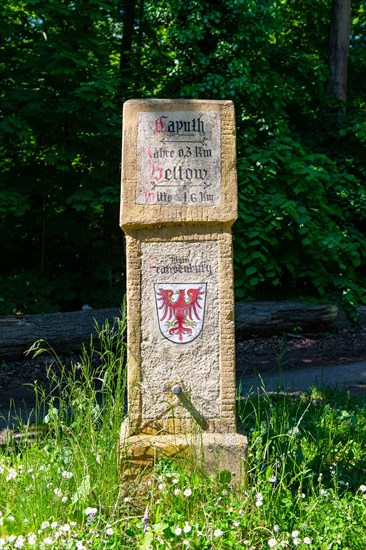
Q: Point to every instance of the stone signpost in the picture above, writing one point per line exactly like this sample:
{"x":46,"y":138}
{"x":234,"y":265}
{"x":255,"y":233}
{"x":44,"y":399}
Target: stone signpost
{"x":179,"y":200}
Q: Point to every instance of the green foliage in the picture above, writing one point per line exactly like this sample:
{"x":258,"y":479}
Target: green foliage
{"x":66,"y":69}
{"x":59,"y":485}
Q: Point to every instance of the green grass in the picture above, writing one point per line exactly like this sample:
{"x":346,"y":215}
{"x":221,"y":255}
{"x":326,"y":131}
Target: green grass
{"x":59,"y":489}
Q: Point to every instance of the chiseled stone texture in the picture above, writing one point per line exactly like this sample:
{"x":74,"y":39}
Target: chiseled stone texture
{"x":209,"y":452}
{"x":193,"y":365}
{"x":205,"y":367}
{"x":162,"y":181}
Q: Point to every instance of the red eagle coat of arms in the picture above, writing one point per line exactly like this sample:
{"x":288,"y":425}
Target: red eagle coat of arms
{"x":180,"y":310}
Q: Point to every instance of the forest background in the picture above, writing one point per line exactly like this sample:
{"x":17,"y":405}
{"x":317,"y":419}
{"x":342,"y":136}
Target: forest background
{"x":66,"y":67}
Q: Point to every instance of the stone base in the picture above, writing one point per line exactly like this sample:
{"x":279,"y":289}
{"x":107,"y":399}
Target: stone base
{"x":210,"y":452}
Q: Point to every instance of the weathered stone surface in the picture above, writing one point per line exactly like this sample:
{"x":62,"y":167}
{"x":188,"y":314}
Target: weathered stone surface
{"x":178,"y":157}
{"x":211,"y":453}
{"x":178,"y":203}
{"x":179,"y":184}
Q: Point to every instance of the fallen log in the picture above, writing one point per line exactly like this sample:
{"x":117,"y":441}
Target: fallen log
{"x":66,"y":332}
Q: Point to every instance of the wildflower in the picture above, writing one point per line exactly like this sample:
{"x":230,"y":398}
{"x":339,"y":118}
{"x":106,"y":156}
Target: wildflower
{"x":363,"y":488}
{"x":259,"y":496}
{"x":284,"y":543}
{"x":276,"y":528}
{"x":80,"y":545}
{"x":259,"y":503}
{"x":58,"y":492}
{"x":127,"y":499}
{"x":45,"y":525}
{"x":296,"y":541}
{"x":187,"y":528}
{"x":54,"y":524}
{"x":294,"y":431}
{"x":272,"y":479}
{"x":19,"y":543}
{"x":272,"y":543}
{"x":161,"y":486}
{"x":307,"y":540}
{"x":67,"y":475}
{"x":236,"y":523}
{"x":324,"y":492}
{"x":65,"y":528}
{"x":187,"y":492}
{"x":218,"y":533}
{"x":177,"y":531}
{"x":294,"y":534}
{"x":48,"y":541}
{"x":177,"y":492}
{"x":12,"y":474}
{"x":10,"y":518}
{"x":90,"y":511}
{"x":185,"y":542}
{"x":32,"y":539}
{"x":175,"y":481}
{"x":109,"y":531}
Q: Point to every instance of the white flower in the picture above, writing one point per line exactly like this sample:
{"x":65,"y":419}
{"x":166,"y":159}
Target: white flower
{"x":276,"y":528}
{"x":259,"y":503}
{"x":307,"y":540}
{"x":324,"y":492}
{"x":45,"y":525}
{"x":65,"y":528}
{"x":80,"y":545}
{"x":185,"y":542}
{"x":187,"y":528}
{"x":19,"y":543}
{"x":48,"y":541}
{"x":58,"y":492}
{"x":32,"y":539}
{"x":363,"y":488}
{"x":272,"y":479}
{"x":67,"y":475}
{"x":294,"y":534}
{"x":187,"y":492}
{"x":296,"y":541}
{"x":12,"y":474}
{"x":127,"y":499}
{"x":272,"y":543}
{"x":175,"y":481}
{"x":259,"y":496}
{"x":284,"y":543}
{"x":177,"y":492}
{"x":54,"y":524}
{"x":161,"y":486}
{"x":90,"y":511}
{"x":236,"y":523}
{"x":218,"y":533}
{"x":177,"y":531}
{"x":109,"y":531}
{"x":10,"y":518}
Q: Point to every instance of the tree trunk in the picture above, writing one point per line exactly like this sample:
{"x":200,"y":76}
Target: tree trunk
{"x":340,"y":29}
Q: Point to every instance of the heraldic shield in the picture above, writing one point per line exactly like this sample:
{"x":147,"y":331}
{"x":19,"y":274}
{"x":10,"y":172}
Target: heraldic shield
{"x":180,"y":310}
